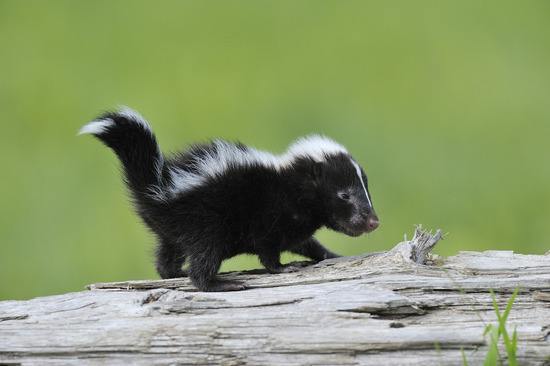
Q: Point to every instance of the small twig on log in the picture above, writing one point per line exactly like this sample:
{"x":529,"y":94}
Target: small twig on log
{"x":423,"y":242}
{"x":415,"y":250}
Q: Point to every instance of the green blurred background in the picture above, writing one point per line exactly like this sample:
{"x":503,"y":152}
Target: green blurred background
{"x":445,"y":103}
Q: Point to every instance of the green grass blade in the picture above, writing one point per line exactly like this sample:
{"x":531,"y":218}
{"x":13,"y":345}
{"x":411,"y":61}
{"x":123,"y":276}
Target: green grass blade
{"x":464,"y":360}
{"x":509,"y":304}
{"x":514,"y":346}
{"x":509,"y":344}
{"x":510,"y":349}
{"x":495,"y":304}
{"x":492,"y":357}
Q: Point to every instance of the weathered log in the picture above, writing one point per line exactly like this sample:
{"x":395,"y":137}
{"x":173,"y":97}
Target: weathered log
{"x":401,"y":307}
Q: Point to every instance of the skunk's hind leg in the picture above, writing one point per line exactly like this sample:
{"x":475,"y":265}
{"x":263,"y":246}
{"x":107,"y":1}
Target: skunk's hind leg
{"x":170,"y":259}
{"x":203,"y":269}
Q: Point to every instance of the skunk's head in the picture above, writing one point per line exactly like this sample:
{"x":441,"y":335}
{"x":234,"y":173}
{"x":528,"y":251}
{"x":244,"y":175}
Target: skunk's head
{"x":340,"y":184}
{"x":343,"y":188}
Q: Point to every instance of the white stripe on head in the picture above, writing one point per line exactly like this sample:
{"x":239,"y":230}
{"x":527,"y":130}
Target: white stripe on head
{"x":316,"y":147}
{"x":360,"y":175}
{"x":96,"y":127}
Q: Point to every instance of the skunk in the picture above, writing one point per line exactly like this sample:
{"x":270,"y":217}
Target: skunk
{"x":220,"y":199}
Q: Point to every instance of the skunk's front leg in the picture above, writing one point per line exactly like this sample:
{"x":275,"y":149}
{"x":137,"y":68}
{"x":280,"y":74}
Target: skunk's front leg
{"x":311,"y":248}
{"x":271,"y":260}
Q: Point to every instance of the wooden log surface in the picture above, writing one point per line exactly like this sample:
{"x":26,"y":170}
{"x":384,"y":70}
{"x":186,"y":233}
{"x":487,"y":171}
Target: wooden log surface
{"x":401,"y":307}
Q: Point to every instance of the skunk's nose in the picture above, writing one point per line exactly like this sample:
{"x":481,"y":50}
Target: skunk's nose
{"x":372,"y":222}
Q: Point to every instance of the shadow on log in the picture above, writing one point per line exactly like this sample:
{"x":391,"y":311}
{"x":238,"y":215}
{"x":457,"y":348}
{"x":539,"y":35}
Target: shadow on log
{"x":401,"y":307}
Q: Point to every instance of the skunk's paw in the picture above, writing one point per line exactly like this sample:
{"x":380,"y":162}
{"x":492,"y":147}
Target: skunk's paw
{"x":223,"y":286}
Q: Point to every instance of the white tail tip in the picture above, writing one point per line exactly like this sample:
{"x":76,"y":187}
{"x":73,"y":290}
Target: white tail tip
{"x":96,"y":127}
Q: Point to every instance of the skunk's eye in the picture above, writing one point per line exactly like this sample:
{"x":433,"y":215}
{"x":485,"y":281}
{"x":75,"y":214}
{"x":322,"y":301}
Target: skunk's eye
{"x":344,"y":196}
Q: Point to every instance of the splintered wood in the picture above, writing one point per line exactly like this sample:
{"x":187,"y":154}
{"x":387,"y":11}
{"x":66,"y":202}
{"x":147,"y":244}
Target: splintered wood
{"x":401,"y":307}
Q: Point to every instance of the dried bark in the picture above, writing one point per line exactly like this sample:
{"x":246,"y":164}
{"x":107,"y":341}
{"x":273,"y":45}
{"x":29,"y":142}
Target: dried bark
{"x":401,"y":307}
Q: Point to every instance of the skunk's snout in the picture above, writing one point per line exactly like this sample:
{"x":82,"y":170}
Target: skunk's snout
{"x":372,"y":222}
{"x":360,"y":223}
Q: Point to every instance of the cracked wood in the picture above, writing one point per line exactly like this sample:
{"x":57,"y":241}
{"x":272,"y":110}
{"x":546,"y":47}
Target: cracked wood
{"x":403,"y":306}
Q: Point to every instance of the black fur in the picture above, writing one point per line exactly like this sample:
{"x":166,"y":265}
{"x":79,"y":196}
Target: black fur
{"x":248,"y":208}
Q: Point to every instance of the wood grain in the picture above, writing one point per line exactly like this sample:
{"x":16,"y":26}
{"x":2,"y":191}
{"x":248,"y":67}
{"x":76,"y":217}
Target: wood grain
{"x":401,"y":307}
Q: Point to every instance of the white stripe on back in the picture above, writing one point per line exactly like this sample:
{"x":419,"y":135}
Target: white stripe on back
{"x":226,"y":155}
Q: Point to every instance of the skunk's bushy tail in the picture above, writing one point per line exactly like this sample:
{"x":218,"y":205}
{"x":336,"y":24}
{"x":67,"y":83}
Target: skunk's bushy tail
{"x":129,"y":135}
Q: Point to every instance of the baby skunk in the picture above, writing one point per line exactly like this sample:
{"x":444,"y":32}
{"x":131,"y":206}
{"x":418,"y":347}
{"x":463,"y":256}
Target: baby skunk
{"x":221,"y":199}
